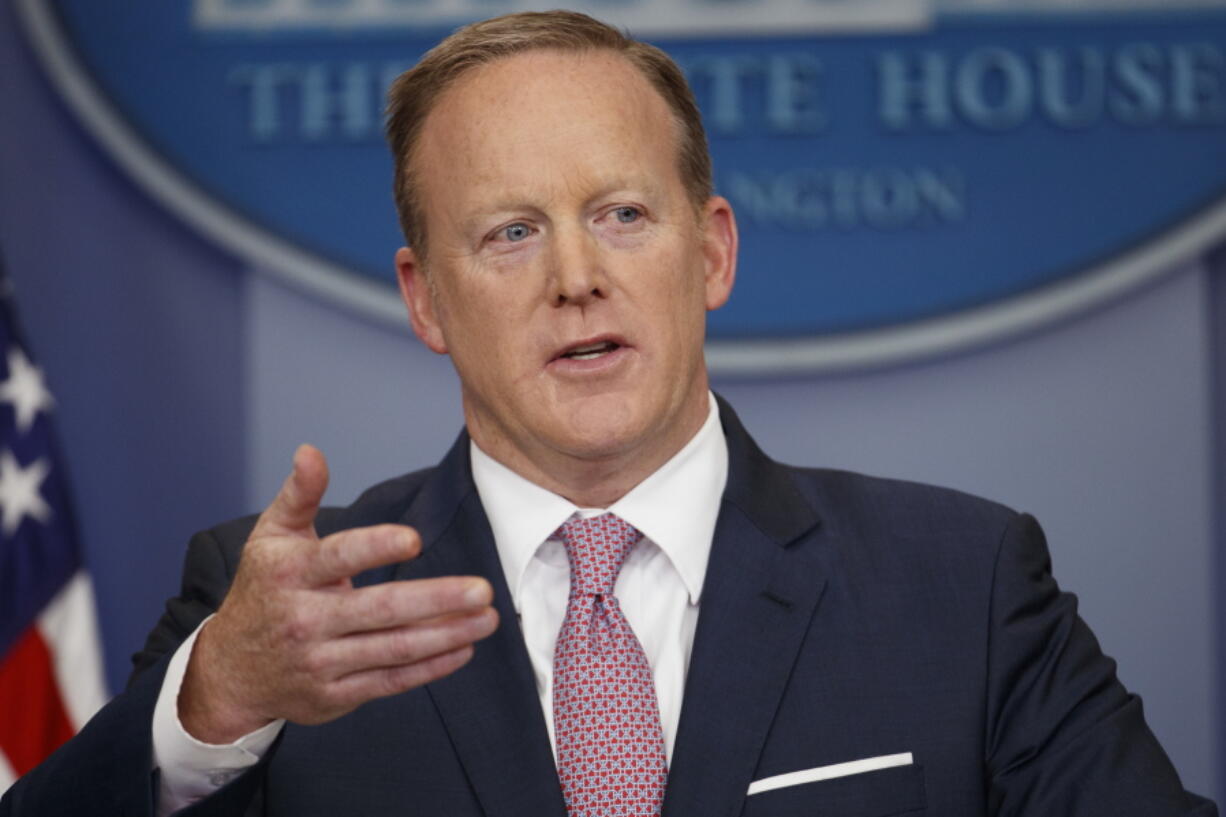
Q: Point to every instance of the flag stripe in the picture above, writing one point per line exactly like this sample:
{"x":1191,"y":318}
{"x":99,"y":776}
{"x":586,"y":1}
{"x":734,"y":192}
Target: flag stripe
{"x":35,"y":722}
{"x":51,"y":679}
{"x":7,"y":776}
{"x":69,"y":626}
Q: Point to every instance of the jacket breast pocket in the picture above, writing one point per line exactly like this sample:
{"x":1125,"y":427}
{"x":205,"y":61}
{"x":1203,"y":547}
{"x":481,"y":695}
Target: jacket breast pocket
{"x":883,"y":793}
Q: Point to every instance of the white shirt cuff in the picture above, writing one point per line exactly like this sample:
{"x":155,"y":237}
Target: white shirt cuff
{"x":192,"y":769}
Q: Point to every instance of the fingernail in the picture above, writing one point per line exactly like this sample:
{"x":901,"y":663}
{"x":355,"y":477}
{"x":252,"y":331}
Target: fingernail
{"x":478,"y":592}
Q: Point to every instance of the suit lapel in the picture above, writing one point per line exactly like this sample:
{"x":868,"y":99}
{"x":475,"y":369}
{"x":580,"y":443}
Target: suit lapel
{"x":762,"y":587}
{"x":490,"y":707}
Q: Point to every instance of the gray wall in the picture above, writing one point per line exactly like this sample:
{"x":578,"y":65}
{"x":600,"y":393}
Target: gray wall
{"x":1217,"y":311}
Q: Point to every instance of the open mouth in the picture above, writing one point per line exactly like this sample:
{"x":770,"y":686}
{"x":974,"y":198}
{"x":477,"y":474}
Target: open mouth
{"x":590,"y":350}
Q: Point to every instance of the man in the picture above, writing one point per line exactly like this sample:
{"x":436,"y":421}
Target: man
{"x":667,"y":618}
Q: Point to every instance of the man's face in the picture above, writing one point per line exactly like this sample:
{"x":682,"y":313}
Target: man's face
{"x":569,"y":274}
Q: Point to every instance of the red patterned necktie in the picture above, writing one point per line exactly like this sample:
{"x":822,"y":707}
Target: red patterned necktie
{"x":610,"y":743}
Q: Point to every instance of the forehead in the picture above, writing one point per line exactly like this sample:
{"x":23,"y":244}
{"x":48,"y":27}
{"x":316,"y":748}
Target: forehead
{"x":523,"y":120}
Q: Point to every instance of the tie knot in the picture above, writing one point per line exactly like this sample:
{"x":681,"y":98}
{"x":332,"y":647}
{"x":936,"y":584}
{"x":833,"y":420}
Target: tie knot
{"x":596,"y":547}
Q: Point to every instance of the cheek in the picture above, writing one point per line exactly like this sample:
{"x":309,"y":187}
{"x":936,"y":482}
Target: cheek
{"x":466,"y":323}
{"x":675,"y":304}
{"x":686,"y":292}
{"x":489,"y":328}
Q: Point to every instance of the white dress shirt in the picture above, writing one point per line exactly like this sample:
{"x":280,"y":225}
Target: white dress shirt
{"x":660,"y":582}
{"x":658,"y":589}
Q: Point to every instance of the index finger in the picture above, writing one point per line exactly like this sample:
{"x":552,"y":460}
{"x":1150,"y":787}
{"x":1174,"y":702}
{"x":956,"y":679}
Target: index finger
{"x":345,"y":554}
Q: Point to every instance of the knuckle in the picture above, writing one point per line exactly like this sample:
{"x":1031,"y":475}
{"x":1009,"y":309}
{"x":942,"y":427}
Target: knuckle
{"x":395,"y":681}
{"x":298,"y":626}
{"x":383,"y":611}
{"x":334,"y":555}
{"x":315,"y":664}
{"x":455,"y":635}
{"x":398,"y":679}
{"x":405,"y":645}
{"x":281,"y":571}
{"x":327,"y":553}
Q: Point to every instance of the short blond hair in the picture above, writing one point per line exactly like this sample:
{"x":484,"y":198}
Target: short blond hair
{"x":415,"y":92}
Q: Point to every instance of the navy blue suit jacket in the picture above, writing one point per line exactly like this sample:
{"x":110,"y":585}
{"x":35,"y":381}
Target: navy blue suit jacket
{"x":843,"y":617}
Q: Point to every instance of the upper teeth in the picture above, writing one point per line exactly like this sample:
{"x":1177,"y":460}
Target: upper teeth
{"x":590,"y":351}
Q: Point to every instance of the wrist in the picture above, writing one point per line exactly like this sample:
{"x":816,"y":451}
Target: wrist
{"x":208,"y":707}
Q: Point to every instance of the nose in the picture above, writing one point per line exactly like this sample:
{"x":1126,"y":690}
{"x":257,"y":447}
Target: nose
{"x":578,"y":276}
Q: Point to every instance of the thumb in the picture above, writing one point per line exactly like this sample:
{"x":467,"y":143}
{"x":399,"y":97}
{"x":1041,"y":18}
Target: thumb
{"x":295,"y":505}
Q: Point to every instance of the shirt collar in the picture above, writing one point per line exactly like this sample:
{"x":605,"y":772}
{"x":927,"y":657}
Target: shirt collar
{"x":675,"y":507}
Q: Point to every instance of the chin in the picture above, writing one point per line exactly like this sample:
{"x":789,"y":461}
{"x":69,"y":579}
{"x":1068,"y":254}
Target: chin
{"x":597,"y":442}
{"x":597,"y":434}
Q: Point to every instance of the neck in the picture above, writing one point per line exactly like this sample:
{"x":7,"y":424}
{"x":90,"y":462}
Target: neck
{"x":592,"y":479}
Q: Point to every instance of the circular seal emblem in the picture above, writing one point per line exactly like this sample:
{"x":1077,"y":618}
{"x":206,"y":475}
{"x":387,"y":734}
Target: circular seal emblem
{"x":911,"y":177}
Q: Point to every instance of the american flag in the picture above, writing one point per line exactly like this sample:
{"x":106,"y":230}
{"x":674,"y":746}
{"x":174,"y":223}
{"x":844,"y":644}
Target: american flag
{"x":50,"y":663}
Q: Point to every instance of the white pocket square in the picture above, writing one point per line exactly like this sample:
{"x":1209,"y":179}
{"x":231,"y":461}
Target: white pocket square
{"x":868,"y":764}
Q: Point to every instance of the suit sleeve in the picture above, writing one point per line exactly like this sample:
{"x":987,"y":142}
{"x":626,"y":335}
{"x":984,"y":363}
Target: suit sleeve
{"x":106,"y":768}
{"x":1064,"y":737}
{"x":208,"y":570}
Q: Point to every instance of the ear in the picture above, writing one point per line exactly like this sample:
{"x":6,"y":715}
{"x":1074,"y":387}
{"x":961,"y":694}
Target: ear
{"x":720,"y":247}
{"x":419,"y":300}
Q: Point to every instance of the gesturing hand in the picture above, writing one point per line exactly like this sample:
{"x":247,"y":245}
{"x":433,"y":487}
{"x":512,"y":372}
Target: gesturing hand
{"x":294,"y":639}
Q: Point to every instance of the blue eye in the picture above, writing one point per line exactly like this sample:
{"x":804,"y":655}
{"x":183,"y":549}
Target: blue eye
{"x":516,"y":232}
{"x":627,"y":215}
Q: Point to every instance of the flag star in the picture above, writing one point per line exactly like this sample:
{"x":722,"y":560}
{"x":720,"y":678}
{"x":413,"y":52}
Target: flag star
{"x":19,"y":492}
{"x":25,"y":389}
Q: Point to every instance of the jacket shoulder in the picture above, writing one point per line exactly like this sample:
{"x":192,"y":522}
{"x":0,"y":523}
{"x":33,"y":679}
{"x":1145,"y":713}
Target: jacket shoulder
{"x":904,"y":515}
{"x":896,"y":495}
